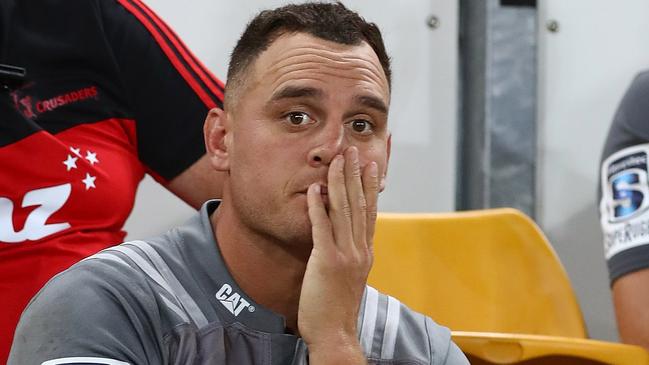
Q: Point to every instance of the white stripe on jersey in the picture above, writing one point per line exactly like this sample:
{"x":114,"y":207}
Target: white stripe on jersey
{"x":369,"y":319}
{"x":175,"y":308}
{"x":84,"y":360}
{"x":110,"y":256}
{"x":391,"y":328}
{"x":179,"y":291}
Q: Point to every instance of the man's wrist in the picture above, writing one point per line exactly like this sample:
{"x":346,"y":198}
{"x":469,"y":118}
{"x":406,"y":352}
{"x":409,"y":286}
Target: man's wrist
{"x":343,"y":351}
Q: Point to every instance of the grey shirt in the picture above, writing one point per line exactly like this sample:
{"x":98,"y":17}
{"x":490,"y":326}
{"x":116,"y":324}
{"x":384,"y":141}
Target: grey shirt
{"x":171,"y":300}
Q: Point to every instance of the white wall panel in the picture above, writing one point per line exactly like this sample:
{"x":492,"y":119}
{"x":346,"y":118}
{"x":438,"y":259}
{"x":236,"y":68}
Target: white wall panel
{"x":584,"y":68}
{"x":424,"y":101}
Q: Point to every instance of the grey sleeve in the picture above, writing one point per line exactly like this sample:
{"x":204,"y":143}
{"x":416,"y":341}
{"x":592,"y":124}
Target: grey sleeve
{"x":623,"y":188}
{"x":422,"y":341}
{"x":629,"y":126}
{"x":443,"y":350}
{"x":83,"y":316}
{"x":455,"y":355}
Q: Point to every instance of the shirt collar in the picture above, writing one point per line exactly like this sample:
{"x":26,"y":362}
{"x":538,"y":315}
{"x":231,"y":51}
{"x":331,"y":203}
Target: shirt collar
{"x":225,"y":295}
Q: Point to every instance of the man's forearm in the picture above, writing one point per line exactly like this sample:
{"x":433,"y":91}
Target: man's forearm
{"x":343,"y":352}
{"x":631,"y":299}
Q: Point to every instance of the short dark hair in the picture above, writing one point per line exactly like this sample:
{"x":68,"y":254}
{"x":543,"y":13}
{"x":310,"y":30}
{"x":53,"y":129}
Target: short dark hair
{"x":328,"y":21}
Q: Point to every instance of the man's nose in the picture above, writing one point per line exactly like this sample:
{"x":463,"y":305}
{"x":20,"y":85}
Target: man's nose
{"x":330,"y":143}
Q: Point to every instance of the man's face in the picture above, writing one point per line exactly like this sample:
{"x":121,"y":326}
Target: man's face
{"x":305,"y":101}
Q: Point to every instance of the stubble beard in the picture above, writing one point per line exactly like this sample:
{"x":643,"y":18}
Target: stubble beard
{"x":288,"y":229}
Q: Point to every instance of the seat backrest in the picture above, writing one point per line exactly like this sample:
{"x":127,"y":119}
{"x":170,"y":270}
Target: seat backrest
{"x":487,"y":270}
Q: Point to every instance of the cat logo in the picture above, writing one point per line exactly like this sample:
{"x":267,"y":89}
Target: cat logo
{"x":233,"y":302}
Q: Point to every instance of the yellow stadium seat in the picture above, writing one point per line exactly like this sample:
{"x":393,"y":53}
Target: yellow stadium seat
{"x":493,"y":278}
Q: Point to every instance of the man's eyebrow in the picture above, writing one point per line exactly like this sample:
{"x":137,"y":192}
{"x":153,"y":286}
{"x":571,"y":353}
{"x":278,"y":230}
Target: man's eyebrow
{"x":372,"y":102}
{"x":289,"y":92}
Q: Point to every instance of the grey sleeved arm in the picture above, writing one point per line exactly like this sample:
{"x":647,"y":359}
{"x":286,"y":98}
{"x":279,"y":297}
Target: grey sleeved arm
{"x":82,"y":316}
{"x":623,"y":188}
{"x":392,"y":333}
{"x":444,"y":351}
{"x":454,"y":355}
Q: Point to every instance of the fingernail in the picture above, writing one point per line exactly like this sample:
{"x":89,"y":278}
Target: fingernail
{"x":374,"y":169}
{"x":316,"y":188}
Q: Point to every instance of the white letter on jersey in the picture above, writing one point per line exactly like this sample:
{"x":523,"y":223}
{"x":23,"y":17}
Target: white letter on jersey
{"x":223,"y":293}
{"x":50,"y":200}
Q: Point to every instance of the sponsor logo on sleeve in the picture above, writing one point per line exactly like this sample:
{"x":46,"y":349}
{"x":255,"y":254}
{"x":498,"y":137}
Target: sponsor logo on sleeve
{"x":625,"y":199}
{"x":232,"y":301}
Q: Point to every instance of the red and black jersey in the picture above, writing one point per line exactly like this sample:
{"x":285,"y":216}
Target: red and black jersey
{"x":110,"y":94}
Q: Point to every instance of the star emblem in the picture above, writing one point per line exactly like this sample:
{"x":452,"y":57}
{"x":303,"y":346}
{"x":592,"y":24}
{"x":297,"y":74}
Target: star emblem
{"x":92,"y":157}
{"x":89,"y":181}
{"x":76,"y":151}
{"x":70,"y":162}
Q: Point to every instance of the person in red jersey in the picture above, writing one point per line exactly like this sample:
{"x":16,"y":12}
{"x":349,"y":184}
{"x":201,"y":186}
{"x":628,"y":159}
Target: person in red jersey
{"x":110,"y":94}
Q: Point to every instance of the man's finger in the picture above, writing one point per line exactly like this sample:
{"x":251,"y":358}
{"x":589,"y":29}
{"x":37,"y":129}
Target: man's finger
{"x":320,"y":224}
{"x":355,"y":196}
{"x":371,"y":190}
{"x":339,"y":208}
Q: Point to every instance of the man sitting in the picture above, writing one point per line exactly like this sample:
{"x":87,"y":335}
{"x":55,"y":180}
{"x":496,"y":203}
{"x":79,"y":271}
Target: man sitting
{"x":276,"y":272}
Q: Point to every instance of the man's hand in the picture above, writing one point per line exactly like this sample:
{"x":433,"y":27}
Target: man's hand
{"x":340,"y":261}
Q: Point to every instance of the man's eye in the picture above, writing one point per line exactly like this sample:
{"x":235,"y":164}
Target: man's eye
{"x":298,"y":118}
{"x":361,"y":126}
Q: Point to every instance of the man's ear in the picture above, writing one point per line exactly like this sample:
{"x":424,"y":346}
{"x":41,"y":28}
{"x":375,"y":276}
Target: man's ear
{"x":387,"y":161}
{"x":216,"y":136}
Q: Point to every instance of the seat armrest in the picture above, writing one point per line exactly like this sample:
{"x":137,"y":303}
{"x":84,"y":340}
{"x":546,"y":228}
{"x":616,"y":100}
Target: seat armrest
{"x":511,"y":348}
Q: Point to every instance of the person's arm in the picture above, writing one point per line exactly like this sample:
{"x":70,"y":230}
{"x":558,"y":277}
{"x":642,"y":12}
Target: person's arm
{"x":624,"y":213}
{"x":197,"y":183}
{"x":443,"y":350}
{"x":631,"y":300}
{"x":169,"y":93}
{"x":340,"y":261}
